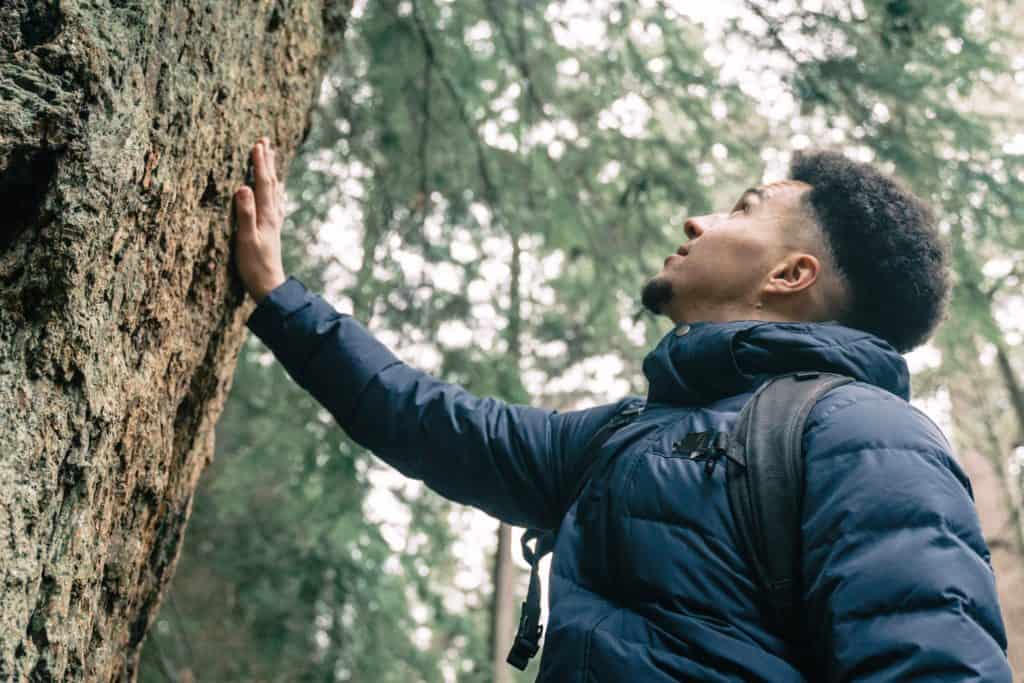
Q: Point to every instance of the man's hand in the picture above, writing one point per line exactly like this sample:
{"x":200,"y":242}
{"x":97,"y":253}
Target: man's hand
{"x":258,"y":242}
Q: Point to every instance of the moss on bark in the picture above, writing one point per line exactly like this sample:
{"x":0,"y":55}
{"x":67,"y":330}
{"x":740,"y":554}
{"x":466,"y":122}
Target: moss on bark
{"x":124,"y":128}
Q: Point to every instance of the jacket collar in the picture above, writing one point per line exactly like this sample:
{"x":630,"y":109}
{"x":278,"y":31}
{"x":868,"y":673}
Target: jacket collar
{"x":702,"y":362}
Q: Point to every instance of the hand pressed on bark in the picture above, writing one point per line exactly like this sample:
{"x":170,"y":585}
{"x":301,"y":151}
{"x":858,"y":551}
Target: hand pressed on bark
{"x":260,"y":215}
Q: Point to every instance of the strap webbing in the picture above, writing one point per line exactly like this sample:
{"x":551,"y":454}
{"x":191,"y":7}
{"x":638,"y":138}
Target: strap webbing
{"x":527,"y":640}
{"x":528,"y":634}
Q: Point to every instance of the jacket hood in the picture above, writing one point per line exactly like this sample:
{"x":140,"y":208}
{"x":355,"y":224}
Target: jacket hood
{"x":698,"y":363}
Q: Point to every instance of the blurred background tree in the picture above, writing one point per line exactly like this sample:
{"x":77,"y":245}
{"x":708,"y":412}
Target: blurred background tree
{"x":487,"y":185}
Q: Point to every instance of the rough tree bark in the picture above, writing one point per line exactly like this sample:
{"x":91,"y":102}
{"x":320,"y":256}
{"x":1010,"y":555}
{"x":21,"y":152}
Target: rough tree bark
{"x":124,"y":127}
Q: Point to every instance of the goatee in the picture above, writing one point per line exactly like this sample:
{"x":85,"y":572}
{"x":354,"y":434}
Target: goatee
{"x":657,"y":292}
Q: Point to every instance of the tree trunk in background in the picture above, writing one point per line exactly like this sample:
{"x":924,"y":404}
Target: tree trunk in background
{"x":503,"y":611}
{"x":124,"y":128}
{"x":1013,"y":388}
{"x":983,"y":451}
{"x":504,"y":617}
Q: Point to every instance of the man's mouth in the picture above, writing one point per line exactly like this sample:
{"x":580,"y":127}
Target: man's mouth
{"x":681,"y":251}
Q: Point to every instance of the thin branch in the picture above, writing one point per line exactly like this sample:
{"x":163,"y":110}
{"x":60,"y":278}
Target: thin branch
{"x":490,"y":189}
{"x":518,"y":55}
{"x":165,"y":666}
{"x":428,"y":65}
{"x":1016,"y":272}
{"x":181,"y":627}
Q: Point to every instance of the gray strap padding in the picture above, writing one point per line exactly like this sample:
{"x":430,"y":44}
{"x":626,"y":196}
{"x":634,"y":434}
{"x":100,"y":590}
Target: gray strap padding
{"x":765,"y":483}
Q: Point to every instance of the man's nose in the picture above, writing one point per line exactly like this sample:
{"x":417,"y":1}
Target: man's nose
{"x":694,"y":227}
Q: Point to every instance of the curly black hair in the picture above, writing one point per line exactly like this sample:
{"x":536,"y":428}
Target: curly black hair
{"x":884,"y":243}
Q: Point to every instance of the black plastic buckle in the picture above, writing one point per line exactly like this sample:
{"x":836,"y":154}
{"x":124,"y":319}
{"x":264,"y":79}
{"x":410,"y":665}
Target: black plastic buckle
{"x":804,"y":375}
{"x":524,"y":647}
{"x":625,"y":417}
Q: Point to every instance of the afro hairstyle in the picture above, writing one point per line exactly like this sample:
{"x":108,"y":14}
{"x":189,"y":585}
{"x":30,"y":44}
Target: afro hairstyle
{"x":885,"y":244}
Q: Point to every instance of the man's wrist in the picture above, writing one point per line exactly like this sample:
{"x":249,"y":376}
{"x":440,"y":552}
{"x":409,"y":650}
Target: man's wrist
{"x":260,"y":292}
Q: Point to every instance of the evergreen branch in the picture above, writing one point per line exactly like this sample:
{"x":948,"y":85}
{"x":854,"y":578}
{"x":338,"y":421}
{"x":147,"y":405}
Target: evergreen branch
{"x":1017,"y":272}
{"x":166,"y":669}
{"x":428,"y":64}
{"x":518,"y":55}
{"x":490,"y":189}
{"x":181,"y":628}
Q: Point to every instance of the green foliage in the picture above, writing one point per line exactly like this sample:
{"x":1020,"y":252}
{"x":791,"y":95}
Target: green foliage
{"x":917,"y":86}
{"x":283,"y":578}
{"x":496,"y":182}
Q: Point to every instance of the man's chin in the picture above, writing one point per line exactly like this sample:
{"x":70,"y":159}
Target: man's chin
{"x":656,"y":295}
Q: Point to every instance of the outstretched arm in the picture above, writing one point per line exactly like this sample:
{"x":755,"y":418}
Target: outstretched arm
{"x":515,"y":462}
{"x":897,"y":579}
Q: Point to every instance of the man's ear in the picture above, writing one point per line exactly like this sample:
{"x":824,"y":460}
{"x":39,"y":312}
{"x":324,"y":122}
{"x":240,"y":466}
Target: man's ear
{"x":796,"y":272}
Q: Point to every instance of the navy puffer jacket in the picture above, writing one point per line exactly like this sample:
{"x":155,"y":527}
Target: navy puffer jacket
{"x":648,"y":585}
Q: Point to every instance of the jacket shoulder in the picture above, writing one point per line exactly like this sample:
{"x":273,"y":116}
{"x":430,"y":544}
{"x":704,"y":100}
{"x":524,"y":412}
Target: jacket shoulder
{"x":859,"y":415}
{"x":893,"y":553}
{"x":862,"y":421}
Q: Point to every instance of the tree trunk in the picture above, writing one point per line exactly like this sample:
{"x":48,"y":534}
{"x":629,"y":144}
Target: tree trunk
{"x":1013,"y":388}
{"x":125,"y":126}
{"x":504,"y":618}
{"x":503,"y":609}
{"x":982,"y":451}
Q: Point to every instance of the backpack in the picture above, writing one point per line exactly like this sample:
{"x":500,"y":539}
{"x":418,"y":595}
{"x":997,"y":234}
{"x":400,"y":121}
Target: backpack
{"x":764,"y":481}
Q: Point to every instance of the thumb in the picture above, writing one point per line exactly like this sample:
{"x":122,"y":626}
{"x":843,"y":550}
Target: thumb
{"x":245,"y":212}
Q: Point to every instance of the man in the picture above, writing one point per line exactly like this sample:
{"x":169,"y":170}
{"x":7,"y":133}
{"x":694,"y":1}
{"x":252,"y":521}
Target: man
{"x":838,"y":269}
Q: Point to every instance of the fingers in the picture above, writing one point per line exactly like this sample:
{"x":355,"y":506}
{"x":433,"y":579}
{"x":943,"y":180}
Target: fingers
{"x":245,"y":212}
{"x":260,"y":207}
{"x":260,"y":169}
{"x":271,"y":159}
{"x":266,"y":183}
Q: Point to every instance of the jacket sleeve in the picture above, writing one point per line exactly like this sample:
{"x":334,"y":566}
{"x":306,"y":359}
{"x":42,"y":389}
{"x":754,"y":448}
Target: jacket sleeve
{"x":517,"y":463}
{"x":897,"y":576}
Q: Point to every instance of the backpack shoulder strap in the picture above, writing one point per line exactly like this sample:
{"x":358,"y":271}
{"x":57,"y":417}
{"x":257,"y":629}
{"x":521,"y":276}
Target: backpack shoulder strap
{"x":527,"y":640}
{"x":625,"y":415}
{"x":765,"y":484}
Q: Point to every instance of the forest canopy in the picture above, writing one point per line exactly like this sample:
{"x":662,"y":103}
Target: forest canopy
{"x":486,"y":186}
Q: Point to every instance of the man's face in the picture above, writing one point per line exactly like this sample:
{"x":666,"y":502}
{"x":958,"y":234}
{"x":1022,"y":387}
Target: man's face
{"x":719,"y":272}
